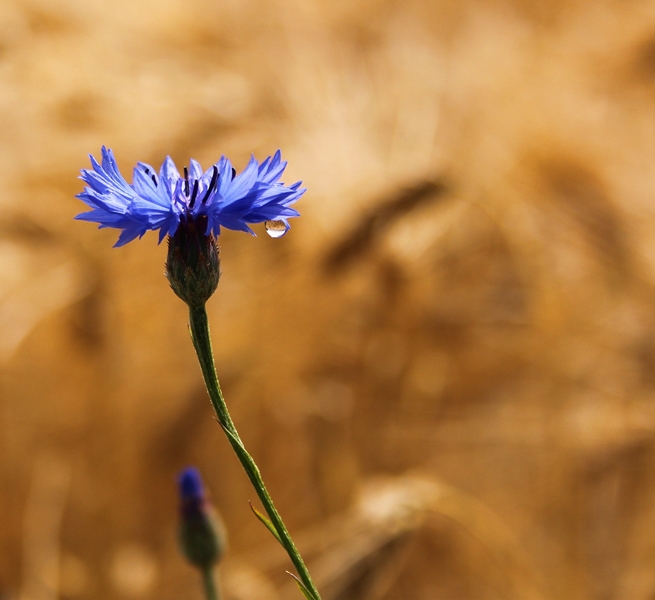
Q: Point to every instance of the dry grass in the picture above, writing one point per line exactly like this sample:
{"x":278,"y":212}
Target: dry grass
{"x":469,"y":293}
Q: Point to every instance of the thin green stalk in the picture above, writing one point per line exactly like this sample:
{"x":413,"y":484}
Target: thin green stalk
{"x":212,"y":590}
{"x":202,"y":343}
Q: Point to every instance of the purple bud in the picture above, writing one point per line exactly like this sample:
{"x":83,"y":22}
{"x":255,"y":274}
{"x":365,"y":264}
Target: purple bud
{"x":201,"y":534}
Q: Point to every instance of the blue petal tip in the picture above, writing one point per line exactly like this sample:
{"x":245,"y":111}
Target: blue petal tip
{"x":190,"y":483}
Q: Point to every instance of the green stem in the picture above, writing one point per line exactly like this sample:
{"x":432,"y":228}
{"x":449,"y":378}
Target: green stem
{"x":202,"y":343}
{"x":212,"y":591}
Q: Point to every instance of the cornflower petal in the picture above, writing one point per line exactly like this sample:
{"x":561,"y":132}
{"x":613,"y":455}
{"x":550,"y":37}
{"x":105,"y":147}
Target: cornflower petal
{"x":243,"y":182}
{"x":271,"y":169}
{"x":195,"y":170}
{"x":224,"y":167}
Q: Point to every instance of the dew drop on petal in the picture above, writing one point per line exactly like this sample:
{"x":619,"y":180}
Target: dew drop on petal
{"x":276,"y":229}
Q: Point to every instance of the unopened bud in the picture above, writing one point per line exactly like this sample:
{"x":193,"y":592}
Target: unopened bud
{"x":202,"y":535}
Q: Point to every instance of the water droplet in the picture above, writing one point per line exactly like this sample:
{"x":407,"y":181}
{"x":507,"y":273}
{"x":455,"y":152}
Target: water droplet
{"x":276,"y":229}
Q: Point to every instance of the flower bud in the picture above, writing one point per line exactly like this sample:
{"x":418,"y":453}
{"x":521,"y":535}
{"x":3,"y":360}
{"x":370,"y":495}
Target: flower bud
{"x":202,"y":535}
{"x":192,"y":265}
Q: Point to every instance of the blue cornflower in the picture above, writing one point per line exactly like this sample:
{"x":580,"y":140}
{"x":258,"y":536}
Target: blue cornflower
{"x":209,"y":199}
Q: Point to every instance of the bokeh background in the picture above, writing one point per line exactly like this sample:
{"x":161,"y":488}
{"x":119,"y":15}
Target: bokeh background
{"x":446,"y":370}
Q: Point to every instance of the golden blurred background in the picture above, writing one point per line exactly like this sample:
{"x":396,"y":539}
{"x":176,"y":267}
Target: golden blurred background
{"x":446,"y":370}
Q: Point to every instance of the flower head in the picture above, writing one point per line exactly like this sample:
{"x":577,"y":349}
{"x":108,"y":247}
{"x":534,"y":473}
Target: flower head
{"x":163,"y":202}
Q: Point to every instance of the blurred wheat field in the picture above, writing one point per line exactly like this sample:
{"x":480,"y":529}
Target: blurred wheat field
{"x":446,"y":370}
